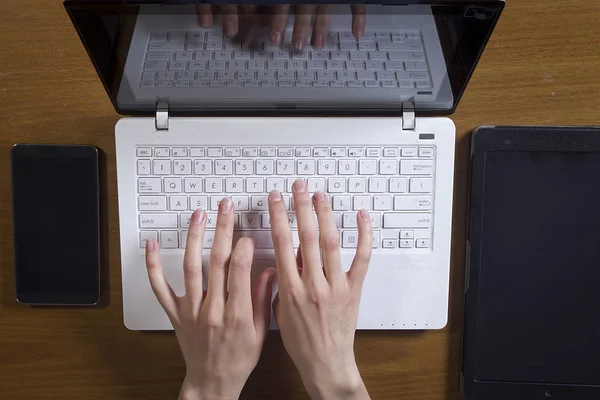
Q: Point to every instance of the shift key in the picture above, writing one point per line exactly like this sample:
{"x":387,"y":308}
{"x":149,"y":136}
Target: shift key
{"x":407,"y":220}
{"x":158,"y":221}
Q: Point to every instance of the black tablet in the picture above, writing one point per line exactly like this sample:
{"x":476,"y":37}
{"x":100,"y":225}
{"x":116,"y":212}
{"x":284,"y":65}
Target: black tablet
{"x":532,"y":302}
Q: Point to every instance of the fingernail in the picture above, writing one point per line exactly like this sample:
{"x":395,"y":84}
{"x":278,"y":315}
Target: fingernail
{"x":275,"y":195}
{"x":319,"y":196}
{"x":364,"y":215}
{"x":229,"y":28}
{"x":150,"y":245}
{"x":205,"y":20}
{"x":276,"y":38}
{"x":319,"y":41}
{"x":198,"y":216}
{"x":299,"y":42}
{"x":299,"y":186}
{"x":225,"y":206}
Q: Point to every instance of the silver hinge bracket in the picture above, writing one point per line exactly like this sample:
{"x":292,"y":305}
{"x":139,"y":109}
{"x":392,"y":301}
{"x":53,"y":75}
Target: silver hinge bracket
{"x":162,"y":116}
{"x":409,"y":120}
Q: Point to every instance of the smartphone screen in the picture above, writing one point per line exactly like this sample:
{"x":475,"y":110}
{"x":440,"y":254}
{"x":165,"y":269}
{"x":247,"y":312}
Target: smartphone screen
{"x":56,"y":224}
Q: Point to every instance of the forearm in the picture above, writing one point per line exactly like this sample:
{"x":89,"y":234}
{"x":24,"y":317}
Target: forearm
{"x":348,"y":386}
{"x":191,"y":390}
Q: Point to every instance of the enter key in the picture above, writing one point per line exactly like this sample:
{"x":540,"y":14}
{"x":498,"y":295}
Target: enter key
{"x":412,"y":203}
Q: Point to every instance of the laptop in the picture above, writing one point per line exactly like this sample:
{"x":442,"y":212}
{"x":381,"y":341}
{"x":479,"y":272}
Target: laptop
{"x":363,"y":120}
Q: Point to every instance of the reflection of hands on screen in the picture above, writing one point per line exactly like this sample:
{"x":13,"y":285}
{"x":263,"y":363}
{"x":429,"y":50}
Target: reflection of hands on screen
{"x":237,"y":18}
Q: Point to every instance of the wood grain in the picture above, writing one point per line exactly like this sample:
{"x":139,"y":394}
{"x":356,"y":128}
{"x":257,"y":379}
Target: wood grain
{"x":540,"y":68}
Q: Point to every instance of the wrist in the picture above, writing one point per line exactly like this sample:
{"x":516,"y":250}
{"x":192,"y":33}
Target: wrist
{"x":192,"y":389}
{"x":347,"y":385}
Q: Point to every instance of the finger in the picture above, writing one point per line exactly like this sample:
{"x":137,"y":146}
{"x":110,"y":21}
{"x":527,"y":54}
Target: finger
{"x":261,"y":302}
{"x":281,"y":235}
{"x":329,"y":238}
{"x":229,"y":18}
{"x":308,"y":234}
{"x":240,"y":296}
{"x":321,"y":26}
{"x":204,"y":13}
{"x":360,"y":264}
{"x":220,"y":253}
{"x":192,"y":259}
{"x":359,"y":20}
{"x":299,"y":260}
{"x":302,"y":26}
{"x":279,"y":23}
{"x":161,"y":288}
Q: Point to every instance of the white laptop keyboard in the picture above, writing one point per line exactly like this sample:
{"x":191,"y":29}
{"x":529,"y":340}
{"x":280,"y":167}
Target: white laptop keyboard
{"x":394,"y":183}
{"x":383,"y":59}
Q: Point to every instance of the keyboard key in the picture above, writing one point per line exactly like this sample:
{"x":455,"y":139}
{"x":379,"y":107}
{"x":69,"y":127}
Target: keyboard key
{"x":407,"y":220}
{"x":178,"y":203}
{"x":265,"y":167}
{"x":152,"y":203}
{"x":268,"y":152}
{"x":275,"y":184}
{"x":407,"y":234}
{"x":161,"y":167}
{"x":425,"y":151}
{"x":367,"y":167}
{"x":223,"y":167}
{"x":347,"y":167}
{"x":193,"y":185}
{"x":215,"y":152}
{"x":240,"y":203}
{"x":391,"y":152}
{"x":157,"y":221}
{"x":421,"y":185}
{"x":373,"y":152}
{"x":349,"y":239}
{"x":202,"y":167}
{"x":285,"y":167}
{"x":260,"y":203}
{"x":155,"y":66}
{"x":389,"y":243}
{"x":416,"y":167}
{"x":377,"y":185}
{"x":213,"y":185}
{"x":306,"y":167}
{"x":172,"y":185}
{"x":412,"y":203}
{"x":336,"y":185}
{"x":143,"y":167}
{"x":182,"y":167}
{"x":244,"y":167}
{"x":398,"y":185}
{"x":349,"y":220}
{"x":388,"y":167}
{"x":361,"y":202}
{"x":409,"y":152}
{"x":326,"y":167}
{"x":357,"y":185}
{"x":255,"y":185}
{"x":406,"y":243}
{"x":197,"y":202}
{"x":316,"y":185}
{"x":421,"y":243}
{"x":234,"y":185}
{"x":147,"y":235}
{"x":341,"y":203}
{"x":382,"y":203}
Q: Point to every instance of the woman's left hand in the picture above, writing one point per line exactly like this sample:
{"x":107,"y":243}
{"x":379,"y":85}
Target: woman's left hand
{"x":221,"y":335}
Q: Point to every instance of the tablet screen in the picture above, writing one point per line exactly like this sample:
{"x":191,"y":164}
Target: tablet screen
{"x":538,"y":318}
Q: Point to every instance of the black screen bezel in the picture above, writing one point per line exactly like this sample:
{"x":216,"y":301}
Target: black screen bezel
{"x":28,"y":151}
{"x":459,"y":79}
{"x":510,"y":139}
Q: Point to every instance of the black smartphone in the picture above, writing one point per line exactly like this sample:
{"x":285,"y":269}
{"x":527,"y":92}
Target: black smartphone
{"x":56,"y":224}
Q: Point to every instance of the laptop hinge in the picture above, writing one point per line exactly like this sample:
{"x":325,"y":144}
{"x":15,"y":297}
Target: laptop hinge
{"x":409,"y":120}
{"x":162,"y":116}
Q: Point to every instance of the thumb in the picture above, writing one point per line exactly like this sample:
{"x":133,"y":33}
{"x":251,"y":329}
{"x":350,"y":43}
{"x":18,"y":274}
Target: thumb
{"x":261,"y":301}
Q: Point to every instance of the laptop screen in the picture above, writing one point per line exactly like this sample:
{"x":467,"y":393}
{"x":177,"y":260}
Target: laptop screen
{"x":331,"y":58}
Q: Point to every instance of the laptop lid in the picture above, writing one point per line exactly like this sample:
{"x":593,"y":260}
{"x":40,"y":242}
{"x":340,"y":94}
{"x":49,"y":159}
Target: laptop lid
{"x":419,"y":54}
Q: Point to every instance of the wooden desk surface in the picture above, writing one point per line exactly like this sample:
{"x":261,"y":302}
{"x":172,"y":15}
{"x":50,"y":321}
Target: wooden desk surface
{"x":541,"y":67}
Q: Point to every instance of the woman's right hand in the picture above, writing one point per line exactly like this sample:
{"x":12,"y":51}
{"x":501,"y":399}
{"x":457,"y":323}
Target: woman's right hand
{"x":317,"y":304}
